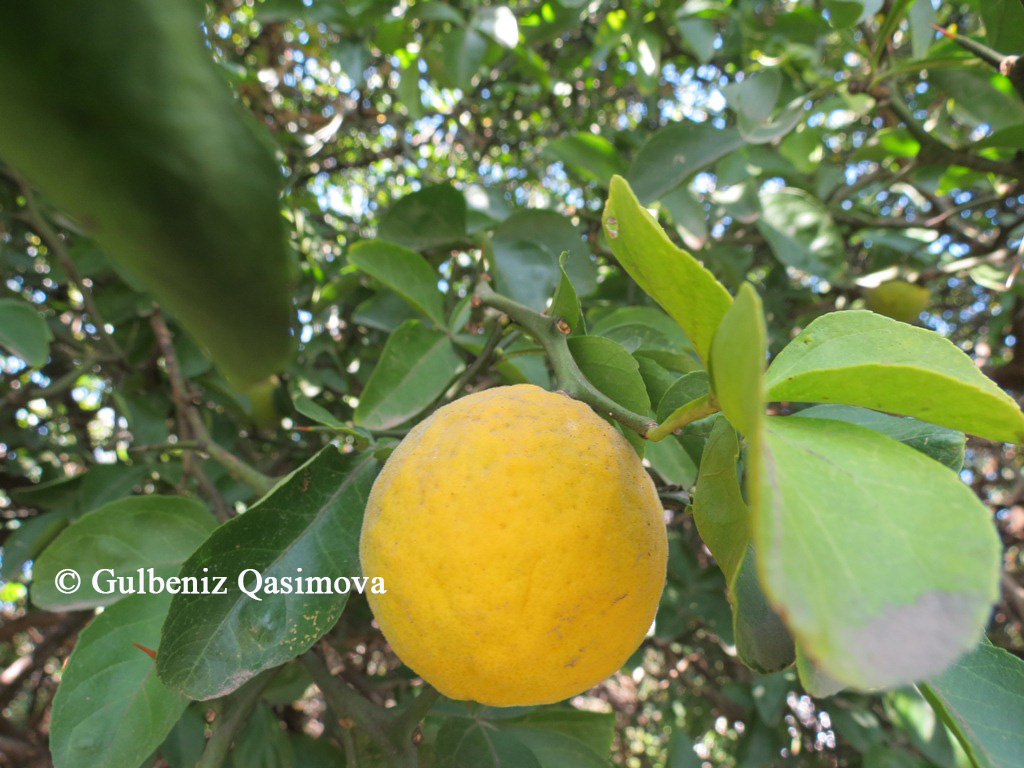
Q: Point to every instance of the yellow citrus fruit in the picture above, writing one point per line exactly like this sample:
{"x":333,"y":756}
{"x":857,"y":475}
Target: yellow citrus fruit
{"x":898,"y":299}
{"x":522,"y":546}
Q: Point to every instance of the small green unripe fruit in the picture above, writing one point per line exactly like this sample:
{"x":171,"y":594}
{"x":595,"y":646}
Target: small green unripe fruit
{"x":898,"y":299}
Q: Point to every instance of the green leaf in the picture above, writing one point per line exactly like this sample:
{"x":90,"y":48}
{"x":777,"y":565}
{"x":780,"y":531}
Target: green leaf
{"x":213,"y":643}
{"x":649,"y":332}
{"x":771,"y":128}
{"x":158,"y":140}
{"x":724,"y":523}
{"x":721,"y":514}
{"x":679,"y":283}
{"x":317,"y":413}
{"x":405,"y":272}
{"x":149,"y":532}
{"x":110,"y":708}
{"x":669,"y":459}
{"x":801,"y":232}
{"x":922,"y":16}
{"x":26,"y":541}
{"x":415,"y":367}
{"x":429,"y":217}
{"x":524,"y":257}
{"x":981,"y":699}
{"x":756,"y":95}
{"x":262,"y":743}
{"x":884,"y":565}
{"x":566,"y":304}
{"x":596,"y":730}
{"x":185,"y":743}
{"x":737,"y":362}
{"x":859,"y":358}
{"x":456,"y":57}
{"x":466,"y":743}
{"x":762,"y":640}
{"x":1004,"y":25}
{"x":944,"y":445}
{"x":591,"y":156}
{"x":24,"y":332}
{"x":674,"y":153}
{"x":610,"y":368}
{"x":817,"y":683}
{"x":686,"y":389}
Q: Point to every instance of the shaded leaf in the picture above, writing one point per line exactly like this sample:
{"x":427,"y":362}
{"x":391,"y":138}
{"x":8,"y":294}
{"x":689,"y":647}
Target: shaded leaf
{"x":981,"y":699}
{"x":591,"y":156}
{"x":211,"y":644}
{"x":405,"y":272}
{"x":24,"y":332}
{"x":944,"y":445}
{"x":801,"y":232}
{"x":110,"y":708}
{"x":429,"y":217}
{"x":416,"y":365}
{"x":524,"y":257}
{"x":149,"y":532}
{"x":674,"y":153}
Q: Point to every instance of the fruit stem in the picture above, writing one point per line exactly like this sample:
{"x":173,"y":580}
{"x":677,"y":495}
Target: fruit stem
{"x":568,"y":376}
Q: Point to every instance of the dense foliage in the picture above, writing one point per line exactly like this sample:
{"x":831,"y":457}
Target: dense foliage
{"x":837,"y":155}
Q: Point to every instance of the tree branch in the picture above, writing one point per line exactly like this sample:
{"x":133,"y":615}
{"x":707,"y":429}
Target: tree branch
{"x":569,"y":378}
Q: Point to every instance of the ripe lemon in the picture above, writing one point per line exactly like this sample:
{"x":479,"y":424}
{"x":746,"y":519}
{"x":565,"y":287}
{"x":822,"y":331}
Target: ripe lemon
{"x":522,"y":546}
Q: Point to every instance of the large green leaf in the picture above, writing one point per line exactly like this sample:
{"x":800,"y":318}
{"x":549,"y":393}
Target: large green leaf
{"x":981,"y":699}
{"x":213,"y":643}
{"x":884,"y":565}
{"x":860,"y":358}
{"x":153,"y":155}
{"x":429,"y":217}
{"x":524,"y":257}
{"x":679,"y":283}
{"x":650,"y":333}
{"x":737,"y":363}
{"x":110,"y":708}
{"x":674,"y":153}
{"x":416,"y":365}
{"x":801,"y":232}
{"x":1004,"y":25}
{"x":405,"y":272}
{"x":724,"y":523}
{"x":24,"y":332}
{"x":610,"y":368}
{"x":148,"y":532}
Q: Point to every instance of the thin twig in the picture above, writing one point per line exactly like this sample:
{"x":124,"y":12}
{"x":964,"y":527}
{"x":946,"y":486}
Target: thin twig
{"x":191,"y":417}
{"x":32,"y":216}
{"x":347,"y":703}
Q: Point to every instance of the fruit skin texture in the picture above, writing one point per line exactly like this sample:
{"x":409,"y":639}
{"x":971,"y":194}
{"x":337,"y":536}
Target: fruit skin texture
{"x":522,"y":545}
{"x":898,"y":299}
